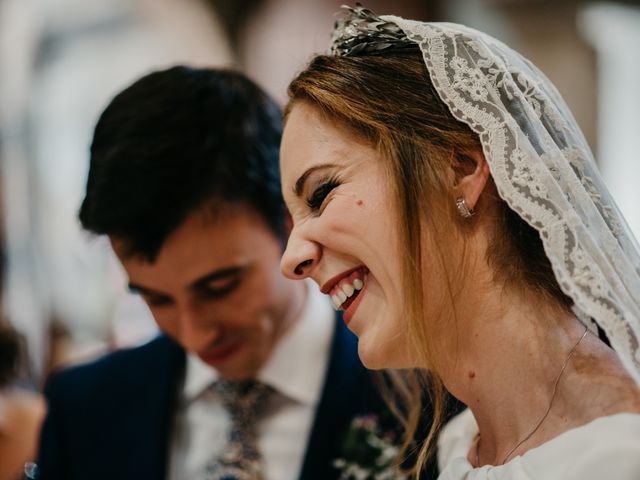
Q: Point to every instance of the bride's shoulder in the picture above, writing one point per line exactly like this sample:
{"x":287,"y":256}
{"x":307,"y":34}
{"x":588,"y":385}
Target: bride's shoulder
{"x":601,"y":386}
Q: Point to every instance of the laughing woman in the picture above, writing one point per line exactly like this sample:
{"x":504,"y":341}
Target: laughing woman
{"x":443,"y":195}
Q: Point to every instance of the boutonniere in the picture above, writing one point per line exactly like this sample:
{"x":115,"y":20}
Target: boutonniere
{"x":369,"y":451}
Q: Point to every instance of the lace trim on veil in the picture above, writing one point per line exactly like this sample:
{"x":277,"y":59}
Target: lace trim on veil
{"x":544,"y":170}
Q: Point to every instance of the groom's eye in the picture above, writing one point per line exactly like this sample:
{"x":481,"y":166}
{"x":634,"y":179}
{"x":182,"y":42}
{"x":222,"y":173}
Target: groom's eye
{"x":221,"y":288}
{"x":155,"y":300}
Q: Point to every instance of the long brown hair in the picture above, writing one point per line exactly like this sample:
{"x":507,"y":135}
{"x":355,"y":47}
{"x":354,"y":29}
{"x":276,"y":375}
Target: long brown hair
{"x":389,"y":101}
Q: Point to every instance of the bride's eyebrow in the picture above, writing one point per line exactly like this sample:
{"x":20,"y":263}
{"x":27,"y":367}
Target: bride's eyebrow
{"x":299,"y":186}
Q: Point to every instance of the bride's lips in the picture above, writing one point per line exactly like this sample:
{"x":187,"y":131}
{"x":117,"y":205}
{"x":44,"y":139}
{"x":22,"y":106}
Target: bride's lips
{"x":329,"y":284}
{"x":217,"y":355}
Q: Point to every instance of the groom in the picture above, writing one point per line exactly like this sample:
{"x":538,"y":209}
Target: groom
{"x":184,"y":182}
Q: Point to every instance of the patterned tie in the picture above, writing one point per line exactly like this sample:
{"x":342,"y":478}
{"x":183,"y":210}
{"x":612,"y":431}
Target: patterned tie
{"x":240,"y":459}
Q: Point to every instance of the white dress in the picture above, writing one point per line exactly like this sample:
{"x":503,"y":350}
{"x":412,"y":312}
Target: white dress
{"x":607,"y":448}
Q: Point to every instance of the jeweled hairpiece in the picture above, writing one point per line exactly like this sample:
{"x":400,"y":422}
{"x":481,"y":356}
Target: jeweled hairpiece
{"x":361,"y":31}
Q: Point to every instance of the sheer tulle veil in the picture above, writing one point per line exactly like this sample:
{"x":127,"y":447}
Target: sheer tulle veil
{"x":538,"y":157}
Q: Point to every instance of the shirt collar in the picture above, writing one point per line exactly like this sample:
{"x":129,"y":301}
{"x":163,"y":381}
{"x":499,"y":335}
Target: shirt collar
{"x":198,"y":377}
{"x":298,"y":364}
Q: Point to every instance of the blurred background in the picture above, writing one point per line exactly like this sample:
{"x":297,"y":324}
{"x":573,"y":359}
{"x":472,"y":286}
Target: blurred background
{"x":61,"y":61}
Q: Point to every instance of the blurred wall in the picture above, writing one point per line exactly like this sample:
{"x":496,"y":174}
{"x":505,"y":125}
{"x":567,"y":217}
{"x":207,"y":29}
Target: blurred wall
{"x":62,"y":60}
{"x":614,"y":32}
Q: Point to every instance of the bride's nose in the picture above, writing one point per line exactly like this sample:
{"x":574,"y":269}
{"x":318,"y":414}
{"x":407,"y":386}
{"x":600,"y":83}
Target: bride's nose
{"x":300,"y":257}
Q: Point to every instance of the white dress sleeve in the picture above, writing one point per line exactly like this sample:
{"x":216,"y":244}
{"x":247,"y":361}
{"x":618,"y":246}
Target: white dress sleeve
{"x":608,"y":448}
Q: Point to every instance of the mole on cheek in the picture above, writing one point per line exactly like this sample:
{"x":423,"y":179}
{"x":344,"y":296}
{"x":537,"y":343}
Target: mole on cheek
{"x":359,"y":202}
{"x":472,"y":374}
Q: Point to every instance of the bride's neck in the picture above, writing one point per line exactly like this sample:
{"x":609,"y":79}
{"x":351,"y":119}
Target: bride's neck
{"x":508,"y":354}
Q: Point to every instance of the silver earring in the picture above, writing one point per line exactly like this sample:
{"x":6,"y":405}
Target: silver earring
{"x":463,"y":210}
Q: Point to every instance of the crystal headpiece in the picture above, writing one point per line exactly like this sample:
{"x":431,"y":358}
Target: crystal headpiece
{"x":361,"y":31}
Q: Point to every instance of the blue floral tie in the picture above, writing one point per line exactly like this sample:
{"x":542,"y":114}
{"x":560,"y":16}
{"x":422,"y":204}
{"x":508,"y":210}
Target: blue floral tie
{"x":240,"y":458}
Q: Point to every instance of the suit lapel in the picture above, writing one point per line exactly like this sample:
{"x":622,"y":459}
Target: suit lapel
{"x":347,"y":392}
{"x":153,"y":412}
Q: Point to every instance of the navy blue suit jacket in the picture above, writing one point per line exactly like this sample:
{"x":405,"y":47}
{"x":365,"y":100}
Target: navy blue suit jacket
{"x":111,"y":420}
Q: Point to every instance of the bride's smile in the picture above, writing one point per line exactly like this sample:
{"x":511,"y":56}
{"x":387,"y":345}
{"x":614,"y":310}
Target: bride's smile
{"x":337,"y":192}
{"x":345,"y":288}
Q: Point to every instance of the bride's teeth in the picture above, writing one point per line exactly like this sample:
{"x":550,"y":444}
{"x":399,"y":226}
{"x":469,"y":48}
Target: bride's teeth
{"x":340,"y":293}
{"x":335,"y":301}
{"x":342,"y":296}
{"x":348,"y":289}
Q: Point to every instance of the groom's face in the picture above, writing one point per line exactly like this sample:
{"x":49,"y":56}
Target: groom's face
{"x":216,"y":288}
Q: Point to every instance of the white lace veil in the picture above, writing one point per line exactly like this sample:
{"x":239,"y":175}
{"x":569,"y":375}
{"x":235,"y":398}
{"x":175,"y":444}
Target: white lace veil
{"x":538,"y":157}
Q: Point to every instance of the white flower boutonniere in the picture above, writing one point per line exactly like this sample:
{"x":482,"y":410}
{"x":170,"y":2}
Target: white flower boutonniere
{"x":369,"y":452}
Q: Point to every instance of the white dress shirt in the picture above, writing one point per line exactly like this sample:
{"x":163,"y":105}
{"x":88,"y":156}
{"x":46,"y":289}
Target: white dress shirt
{"x":296,"y":370}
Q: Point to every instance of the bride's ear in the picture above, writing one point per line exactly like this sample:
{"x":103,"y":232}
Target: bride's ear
{"x":471,"y":177}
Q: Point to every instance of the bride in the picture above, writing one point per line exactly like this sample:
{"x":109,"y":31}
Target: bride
{"x":442,"y":194}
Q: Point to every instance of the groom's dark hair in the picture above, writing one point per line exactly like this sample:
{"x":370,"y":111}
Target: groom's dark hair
{"x":178,"y":140}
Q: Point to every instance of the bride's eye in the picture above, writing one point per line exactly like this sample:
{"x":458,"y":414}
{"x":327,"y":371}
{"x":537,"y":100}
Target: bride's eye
{"x":321,"y":192}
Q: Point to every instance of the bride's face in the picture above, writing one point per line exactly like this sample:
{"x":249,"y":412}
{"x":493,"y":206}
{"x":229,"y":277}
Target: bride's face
{"x":344,"y":232}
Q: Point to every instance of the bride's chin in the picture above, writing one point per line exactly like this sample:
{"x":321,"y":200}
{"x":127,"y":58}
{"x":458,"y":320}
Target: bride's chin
{"x":379,"y":356}
{"x":373,"y":356}
{"x":369,"y":362}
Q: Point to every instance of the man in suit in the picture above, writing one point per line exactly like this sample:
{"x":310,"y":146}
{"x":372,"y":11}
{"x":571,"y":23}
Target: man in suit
{"x":184,"y":182}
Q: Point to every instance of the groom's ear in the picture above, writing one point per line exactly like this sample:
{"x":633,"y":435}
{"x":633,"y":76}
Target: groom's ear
{"x":472,"y":173}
